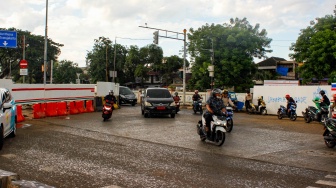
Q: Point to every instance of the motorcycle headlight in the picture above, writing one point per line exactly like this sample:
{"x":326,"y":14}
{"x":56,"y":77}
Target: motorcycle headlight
{"x":148,"y":104}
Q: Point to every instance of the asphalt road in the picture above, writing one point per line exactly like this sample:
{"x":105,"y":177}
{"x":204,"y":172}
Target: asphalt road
{"x":132,"y":151}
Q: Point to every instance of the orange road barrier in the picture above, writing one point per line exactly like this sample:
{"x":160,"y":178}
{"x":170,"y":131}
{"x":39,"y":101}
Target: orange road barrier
{"x":38,"y":111}
{"x":73,"y":109}
{"x":89,"y":106}
{"x":62,"y":109}
{"x":51,"y":109}
{"x":20,"y":117}
{"x":80,"y":106}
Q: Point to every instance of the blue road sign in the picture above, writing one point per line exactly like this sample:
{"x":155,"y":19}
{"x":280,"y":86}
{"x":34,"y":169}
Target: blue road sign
{"x":8,"y":39}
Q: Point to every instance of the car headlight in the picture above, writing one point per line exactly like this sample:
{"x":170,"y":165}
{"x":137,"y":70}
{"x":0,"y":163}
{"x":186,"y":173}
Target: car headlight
{"x":123,"y":96}
{"x":148,"y":104}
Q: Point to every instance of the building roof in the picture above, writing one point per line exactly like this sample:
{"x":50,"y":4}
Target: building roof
{"x":272,"y":61}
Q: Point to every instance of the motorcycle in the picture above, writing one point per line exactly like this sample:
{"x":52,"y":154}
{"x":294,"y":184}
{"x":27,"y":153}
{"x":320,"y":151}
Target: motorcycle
{"x":197,"y":106}
{"x":329,"y":134}
{"x":107,"y":110}
{"x":177,"y":103}
{"x":218,"y":128}
{"x":229,"y":118}
{"x":282,"y":112}
{"x":260,"y":109}
{"x":319,"y":114}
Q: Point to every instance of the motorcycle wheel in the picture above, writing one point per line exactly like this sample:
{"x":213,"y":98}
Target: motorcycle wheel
{"x":220,"y":138}
{"x":279,"y":115}
{"x":194,"y":111}
{"x":307,"y":118}
{"x":263,"y":112}
{"x":293,"y":117}
{"x":201,"y":111}
{"x":330,"y":144}
{"x":229,"y":126}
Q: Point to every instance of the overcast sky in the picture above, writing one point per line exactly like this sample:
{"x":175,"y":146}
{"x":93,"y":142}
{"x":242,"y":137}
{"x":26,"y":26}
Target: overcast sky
{"x":76,"y":23}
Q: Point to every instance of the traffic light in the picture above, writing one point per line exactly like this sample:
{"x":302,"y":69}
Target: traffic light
{"x":156,"y":37}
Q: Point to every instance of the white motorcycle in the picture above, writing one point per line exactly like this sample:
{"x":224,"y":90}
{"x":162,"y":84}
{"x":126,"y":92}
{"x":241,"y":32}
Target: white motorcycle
{"x":218,"y":129}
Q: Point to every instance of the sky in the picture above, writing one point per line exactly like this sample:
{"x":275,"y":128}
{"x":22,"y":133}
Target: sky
{"x":76,"y":23}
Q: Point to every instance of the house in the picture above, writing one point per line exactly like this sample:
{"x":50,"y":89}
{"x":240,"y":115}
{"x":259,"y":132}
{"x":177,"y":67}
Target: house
{"x":281,"y":67}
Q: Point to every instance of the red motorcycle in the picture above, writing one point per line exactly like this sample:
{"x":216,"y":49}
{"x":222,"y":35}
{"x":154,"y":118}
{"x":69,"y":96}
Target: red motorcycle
{"x":107,"y":110}
{"x":177,"y":103}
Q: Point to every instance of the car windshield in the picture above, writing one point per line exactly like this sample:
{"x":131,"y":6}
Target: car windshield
{"x":158,"y":93}
{"x":125,"y":91}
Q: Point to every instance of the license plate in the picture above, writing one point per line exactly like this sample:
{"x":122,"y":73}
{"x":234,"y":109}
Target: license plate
{"x":160,"y":107}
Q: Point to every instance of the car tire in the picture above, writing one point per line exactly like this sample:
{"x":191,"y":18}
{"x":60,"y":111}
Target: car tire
{"x":1,"y":138}
{"x":172,"y":115}
{"x":133,"y":104}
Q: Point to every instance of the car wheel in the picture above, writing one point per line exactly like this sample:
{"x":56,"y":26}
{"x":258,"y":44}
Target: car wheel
{"x":146,"y":115}
{"x":133,"y":104}
{"x":1,"y":138}
{"x":172,"y":115}
{"x":142,"y":112}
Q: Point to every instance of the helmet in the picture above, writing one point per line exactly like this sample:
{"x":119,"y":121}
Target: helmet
{"x":175,"y":93}
{"x":260,"y":97}
{"x":196,"y":91}
{"x":287,"y":96}
{"x":215,"y":92}
{"x":111,"y":92}
{"x":334,"y":96}
{"x":225,"y":91}
{"x":322,"y":92}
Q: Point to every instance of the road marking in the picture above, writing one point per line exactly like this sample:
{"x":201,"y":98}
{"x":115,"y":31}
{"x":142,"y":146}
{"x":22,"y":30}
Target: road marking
{"x":330,"y":183}
{"x":331,"y":176}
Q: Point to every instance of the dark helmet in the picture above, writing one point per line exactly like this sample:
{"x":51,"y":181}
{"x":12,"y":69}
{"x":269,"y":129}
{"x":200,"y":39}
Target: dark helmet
{"x":175,"y":93}
{"x":287,"y":96}
{"x":216,"y":91}
{"x":322,"y":92}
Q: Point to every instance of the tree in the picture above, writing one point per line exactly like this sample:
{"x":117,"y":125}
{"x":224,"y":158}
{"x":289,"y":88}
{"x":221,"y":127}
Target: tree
{"x":169,"y":67}
{"x":316,"y":48}
{"x":10,"y":57}
{"x":101,"y":60}
{"x":232,"y":47}
{"x":65,"y":72}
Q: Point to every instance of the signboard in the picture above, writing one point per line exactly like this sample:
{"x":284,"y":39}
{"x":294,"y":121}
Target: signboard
{"x":23,"y":64}
{"x":23,"y":72}
{"x":8,"y":39}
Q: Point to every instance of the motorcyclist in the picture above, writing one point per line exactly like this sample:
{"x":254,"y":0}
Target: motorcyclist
{"x":213,"y":105}
{"x":290,"y":101}
{"x":196,"y":97}
{"x":333,"y":106}
{"x":226,"y":99}
{"x":324,"y":100}
{"x":260,"y":100}
{"x":110,"y":98}
{"x":248,"y":99}
{"x":176,"y":97}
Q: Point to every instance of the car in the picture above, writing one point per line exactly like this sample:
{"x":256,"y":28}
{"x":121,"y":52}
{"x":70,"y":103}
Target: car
{"x":157,"y":101}
{"x":127,"y":96}
{"x":8,"y":117}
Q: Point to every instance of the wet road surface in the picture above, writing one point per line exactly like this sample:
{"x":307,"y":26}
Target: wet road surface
{"x":132,"y":151}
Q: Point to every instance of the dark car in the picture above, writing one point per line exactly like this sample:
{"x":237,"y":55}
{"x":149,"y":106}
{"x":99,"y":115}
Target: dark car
{"x":126,"y":96}
{"x":157,"y":101}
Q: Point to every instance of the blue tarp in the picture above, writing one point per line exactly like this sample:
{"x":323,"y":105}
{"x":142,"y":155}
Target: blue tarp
{"x":282,"y":70}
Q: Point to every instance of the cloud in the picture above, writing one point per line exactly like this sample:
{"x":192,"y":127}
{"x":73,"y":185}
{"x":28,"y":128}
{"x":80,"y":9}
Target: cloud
{"x":76,"y":23}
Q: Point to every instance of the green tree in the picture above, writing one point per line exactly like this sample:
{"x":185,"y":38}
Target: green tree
{"x":232,"y":47}
{"x":65,"y":72}
{"x":101,"y":60}
{"x":316,"y":48}
{"x":169,"y":67}
{"x":34,"y":54}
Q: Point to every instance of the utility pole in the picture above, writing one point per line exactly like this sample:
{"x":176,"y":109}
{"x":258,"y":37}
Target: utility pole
{"x":114,"y":60}
{"x":45,"y":45}
{"x":156,"y":40}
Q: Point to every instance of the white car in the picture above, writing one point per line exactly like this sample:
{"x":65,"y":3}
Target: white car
{"x":7,"y":115}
